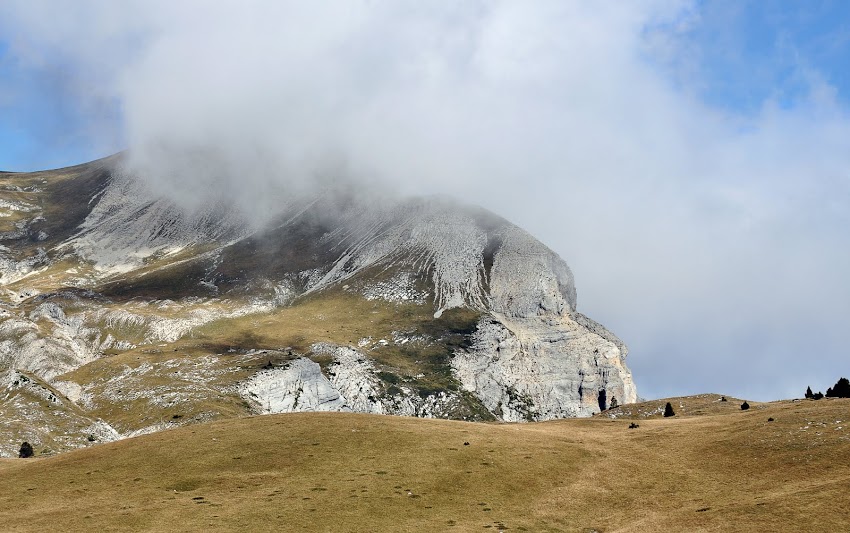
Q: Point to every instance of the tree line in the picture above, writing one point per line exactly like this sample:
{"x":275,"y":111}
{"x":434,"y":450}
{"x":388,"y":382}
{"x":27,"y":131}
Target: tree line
{"x":840,"y":390}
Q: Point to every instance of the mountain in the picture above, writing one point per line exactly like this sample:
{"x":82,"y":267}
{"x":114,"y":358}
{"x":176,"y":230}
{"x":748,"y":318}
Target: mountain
{"x":122,"y":312}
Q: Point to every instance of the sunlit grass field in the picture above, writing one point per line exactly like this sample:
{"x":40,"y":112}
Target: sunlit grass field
{"x":712,"y":467}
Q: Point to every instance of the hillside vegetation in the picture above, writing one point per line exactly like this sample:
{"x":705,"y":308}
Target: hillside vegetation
{"x":712,"y":467}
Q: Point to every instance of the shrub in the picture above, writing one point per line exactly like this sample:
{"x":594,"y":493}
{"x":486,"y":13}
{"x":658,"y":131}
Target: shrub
{"x":614,"y":403}
{"x":745,"y":406}
{"x":809,"y":393}
{"x":817,"y":396}
{"x":633,"y":426}
{"x":668,"y":410}
{"x":26,"y":450}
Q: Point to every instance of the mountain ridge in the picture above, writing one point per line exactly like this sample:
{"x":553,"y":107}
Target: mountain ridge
{"x":449,"y":310}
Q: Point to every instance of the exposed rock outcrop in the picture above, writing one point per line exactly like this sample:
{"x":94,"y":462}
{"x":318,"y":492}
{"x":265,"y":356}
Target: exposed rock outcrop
{"x":349,"y":384}
{"x":543,"y":368}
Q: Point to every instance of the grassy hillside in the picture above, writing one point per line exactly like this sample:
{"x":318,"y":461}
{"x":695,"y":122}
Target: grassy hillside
{"x":199,"y":373}
{"x":711,"y":468}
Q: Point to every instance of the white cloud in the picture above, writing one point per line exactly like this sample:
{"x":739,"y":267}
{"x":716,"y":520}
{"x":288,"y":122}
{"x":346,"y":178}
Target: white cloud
{"x":713,"y":242}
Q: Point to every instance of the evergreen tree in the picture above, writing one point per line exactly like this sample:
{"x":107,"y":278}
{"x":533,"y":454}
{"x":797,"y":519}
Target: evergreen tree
{"x":809,"y":392}
{"x":26,"y":450}
{"x":841,"y":389}
{"x":745,"y":406}
{"x":817,"y":396}
{"x":668,"y":410}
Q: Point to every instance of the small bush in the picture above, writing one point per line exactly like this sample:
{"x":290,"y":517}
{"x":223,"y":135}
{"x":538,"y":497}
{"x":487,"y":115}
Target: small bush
{"x":745,"y":406}
{"x":723,"y":398}
{"x":91,"y":438}
{"x":817,"y":396}
{"x":389,"y":377}
{"x":668,"y":410}
{"x":633,"y":426}
{"x":26,"y":450}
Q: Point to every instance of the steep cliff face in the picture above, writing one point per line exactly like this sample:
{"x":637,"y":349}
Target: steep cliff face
{"x":418,"y":307}
{"x":542,"y":368}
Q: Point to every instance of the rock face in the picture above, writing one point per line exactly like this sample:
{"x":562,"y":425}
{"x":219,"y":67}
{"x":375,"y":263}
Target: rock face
{"x":349,"y":384}
{"x":95,"y":268}
{"x":543,"y":368}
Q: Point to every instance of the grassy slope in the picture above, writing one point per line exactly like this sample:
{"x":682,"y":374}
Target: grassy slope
{"x":62,"y":196}
{"x":26,"y":412}
{"x":729,"y":471}
{"x":334,"y":315}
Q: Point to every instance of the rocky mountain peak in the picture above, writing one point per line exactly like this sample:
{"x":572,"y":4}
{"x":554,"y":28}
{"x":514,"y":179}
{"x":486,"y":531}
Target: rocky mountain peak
{"x":120,"y":301}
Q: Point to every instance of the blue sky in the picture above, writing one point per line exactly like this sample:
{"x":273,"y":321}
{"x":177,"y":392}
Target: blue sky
{"x":43,"y":121}
{"x":690,"y":160}
{"x":748,"y":52}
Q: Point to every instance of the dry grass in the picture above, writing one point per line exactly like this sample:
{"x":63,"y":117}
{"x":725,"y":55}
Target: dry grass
{"x":337,"y":316}
{"x":50,"y":422}
{"x":340,"y":472}
{"x":68,"y":272}
{"x":686,"y":406}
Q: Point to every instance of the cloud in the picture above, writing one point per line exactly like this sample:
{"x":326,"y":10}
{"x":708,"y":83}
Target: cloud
{"x":712,"y":240}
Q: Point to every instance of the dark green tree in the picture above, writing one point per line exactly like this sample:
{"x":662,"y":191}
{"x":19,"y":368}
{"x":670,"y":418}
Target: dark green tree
{"x":26,"y":450}
{"x":745,"y":406}
{"x":668,"y":410}
{"x":809,"y":392}
{"x":840,"y":390}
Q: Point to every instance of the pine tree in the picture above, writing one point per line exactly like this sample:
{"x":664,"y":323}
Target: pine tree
{"x":809,"y":392}
{"x":668,"y":410}
{"x":841,"y":389}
